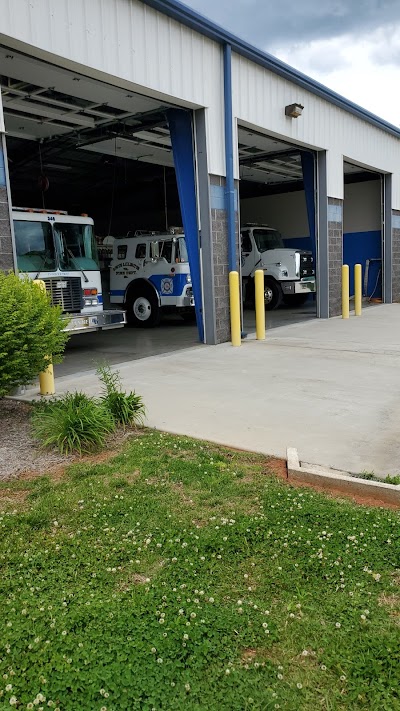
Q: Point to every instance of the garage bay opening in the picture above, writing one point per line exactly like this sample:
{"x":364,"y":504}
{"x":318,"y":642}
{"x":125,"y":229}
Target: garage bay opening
{"x":96,"y":210}
{"x":278,"y":227}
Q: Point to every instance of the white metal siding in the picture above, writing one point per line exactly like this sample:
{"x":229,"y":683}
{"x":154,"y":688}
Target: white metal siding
{"x":260,"y":97}
{"x":128,"y":41}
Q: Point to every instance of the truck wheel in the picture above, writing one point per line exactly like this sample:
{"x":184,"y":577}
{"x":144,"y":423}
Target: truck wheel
{"x":142,"y":309}
{"x":295,"y":299}
{"x":272,"y":294}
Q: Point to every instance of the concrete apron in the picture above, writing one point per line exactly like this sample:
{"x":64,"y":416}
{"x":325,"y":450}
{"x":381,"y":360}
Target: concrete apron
{"x":330,"y":388}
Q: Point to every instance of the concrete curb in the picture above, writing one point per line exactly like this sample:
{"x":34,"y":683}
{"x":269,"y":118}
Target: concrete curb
{"x":332,"y":479}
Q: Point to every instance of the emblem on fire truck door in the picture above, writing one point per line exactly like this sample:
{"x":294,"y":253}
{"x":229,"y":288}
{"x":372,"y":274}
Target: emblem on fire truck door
{"x":167,"y":286}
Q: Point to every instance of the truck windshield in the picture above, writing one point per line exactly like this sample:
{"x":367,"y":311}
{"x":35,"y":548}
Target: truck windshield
{"x":267,"y":239}
{"x":34,"y":246}
{"x":77,"y":246}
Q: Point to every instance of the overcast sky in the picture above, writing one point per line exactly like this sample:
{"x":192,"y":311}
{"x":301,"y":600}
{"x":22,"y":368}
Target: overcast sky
{"x":352,"y":46}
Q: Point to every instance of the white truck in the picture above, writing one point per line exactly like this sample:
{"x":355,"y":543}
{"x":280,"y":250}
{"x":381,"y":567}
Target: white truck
{"x":149,"y":275}
{"x":61,"y":250}
{"x":289,"y":274}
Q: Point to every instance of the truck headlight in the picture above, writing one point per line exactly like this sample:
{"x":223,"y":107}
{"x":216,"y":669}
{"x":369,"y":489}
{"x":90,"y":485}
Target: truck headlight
{"x":91,"y":302}
{"x":188,"y":279}
{"x":284,"y":272}
{"x":297,"y":263}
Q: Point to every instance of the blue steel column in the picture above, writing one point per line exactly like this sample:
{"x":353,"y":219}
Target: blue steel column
{"x":230,"y":182}
{"x":181,"y":130}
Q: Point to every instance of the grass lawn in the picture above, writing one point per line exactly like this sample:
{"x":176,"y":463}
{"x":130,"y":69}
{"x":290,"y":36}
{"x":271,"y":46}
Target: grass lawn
{"x":179,"y":575}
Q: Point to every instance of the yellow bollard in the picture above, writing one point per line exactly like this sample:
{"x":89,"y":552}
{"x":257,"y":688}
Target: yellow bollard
{"x":345,"y":291}
{"x":46,"y":378}
{"x":234,"y":299}
{"x":46,"y":381}
{"x":357,"y":289}
{"x":260,"y":304}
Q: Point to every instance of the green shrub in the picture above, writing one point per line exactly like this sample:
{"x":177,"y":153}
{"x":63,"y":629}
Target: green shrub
{"x":74,"y":423}
{"x":126,"y":408}
{"x":30,"y":330}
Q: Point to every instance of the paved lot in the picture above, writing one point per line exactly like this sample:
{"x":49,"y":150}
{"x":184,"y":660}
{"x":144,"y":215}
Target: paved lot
{"x":124,"y":344}
{"x":329,"y":388}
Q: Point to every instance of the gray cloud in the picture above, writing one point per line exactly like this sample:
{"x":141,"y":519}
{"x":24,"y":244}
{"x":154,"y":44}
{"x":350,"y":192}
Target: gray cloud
{"x":270,"y":23}
{"x":387,"y":51}
{"x":317,"y":56}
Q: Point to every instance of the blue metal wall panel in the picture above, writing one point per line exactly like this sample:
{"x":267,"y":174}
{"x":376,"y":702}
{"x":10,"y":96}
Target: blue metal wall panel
{"x":181,"y":130}
{"x":2,"y":170}
{"x":357,"y":248}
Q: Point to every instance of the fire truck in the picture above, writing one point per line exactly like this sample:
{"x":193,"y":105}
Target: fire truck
{"x":61,"y":250}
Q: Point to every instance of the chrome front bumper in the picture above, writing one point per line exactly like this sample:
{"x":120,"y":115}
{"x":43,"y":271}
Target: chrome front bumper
{"x":103,"y":320}
{"x":303,"y":286}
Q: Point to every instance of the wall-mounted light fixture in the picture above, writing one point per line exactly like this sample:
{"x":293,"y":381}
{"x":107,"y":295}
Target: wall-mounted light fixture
{"x":294,"y":110}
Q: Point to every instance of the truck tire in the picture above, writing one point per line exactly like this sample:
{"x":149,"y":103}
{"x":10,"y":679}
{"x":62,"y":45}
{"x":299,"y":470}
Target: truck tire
{"x":295,"y":299}
{"x":142,"y":308}
{"x":272,"y":294}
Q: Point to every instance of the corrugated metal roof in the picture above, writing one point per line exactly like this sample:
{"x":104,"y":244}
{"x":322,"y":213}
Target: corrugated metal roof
{"x":185,"y":15}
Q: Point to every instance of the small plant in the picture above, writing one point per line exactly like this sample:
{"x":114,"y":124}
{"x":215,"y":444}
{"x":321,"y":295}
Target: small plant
{"x":389,"y":479}
{"x":31,"y":329}
{"x":74,"y":423}
{"x":395,"y":479}
{"x":126,"y":408}
{"x":369,"y":476}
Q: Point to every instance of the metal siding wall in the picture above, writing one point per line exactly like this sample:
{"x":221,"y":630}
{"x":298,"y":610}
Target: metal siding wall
{"x":260,"y":98}
{"x":127,"y":40}
{"x":130,"y":42}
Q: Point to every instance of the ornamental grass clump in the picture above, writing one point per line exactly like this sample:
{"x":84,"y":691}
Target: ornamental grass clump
{"x":74,"y":423}
{"x":78,"y":423}
{"x":127,"y":409}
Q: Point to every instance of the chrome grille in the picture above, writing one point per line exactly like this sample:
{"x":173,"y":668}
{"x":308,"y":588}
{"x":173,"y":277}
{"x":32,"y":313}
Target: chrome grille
{"x":306,"y":264}
{"x":65,"y":292}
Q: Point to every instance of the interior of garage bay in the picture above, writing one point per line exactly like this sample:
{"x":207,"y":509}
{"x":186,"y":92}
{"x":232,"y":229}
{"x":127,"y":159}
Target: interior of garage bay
{"x":363,"y":228}
{"x":79,"y":145}
{"x":278,"y":192}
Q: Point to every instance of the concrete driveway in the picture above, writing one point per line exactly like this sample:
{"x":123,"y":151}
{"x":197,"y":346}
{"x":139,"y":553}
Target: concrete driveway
{"x":329,"y":388}
{"x":173,"y":334}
